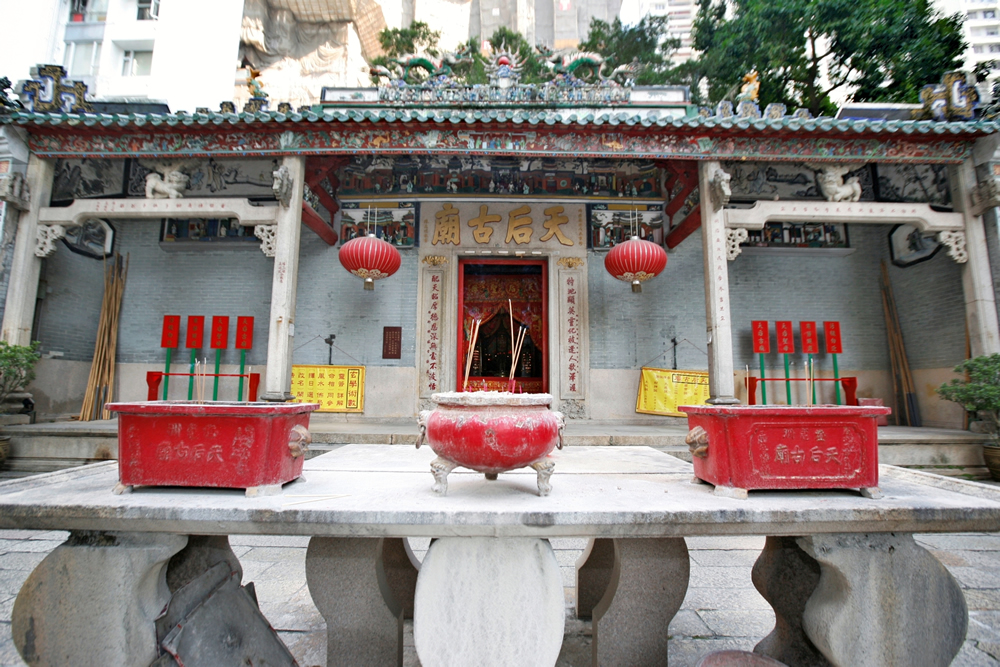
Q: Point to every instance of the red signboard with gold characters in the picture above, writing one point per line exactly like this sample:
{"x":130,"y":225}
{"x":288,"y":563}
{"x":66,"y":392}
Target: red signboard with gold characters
{"x":833,"y":341}
{"x":244,"y":333}
{"x":810,"y":343}
{"x":171,"y":331}
{"x":195,"y":332}
{"x":786,"y":338}
{"x":220,"y":332}
{"x":761,"y":337}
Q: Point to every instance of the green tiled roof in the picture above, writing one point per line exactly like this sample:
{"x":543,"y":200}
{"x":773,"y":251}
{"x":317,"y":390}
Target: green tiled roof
{"x":651,"y":118}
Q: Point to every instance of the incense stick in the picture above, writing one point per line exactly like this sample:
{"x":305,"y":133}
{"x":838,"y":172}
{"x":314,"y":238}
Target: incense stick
{"x":473,"y":335}
{"x":516,"y":355}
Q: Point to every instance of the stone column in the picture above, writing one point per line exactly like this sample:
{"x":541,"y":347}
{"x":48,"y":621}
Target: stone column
{"x":281,"y":328}
{"x":347,"y":581}
{"x":786,"y":576}
{"x":489,"y":602}
{"x":882,"y":600}
{"x":22,"y":291}
{"x":977,"y":278}
{"x":717,"y":313}
{"x":93,"y":600}
{"x":648,"y":585}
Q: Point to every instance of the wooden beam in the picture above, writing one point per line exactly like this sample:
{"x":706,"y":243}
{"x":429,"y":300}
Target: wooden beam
{"x":318,"y":170}
{"x":690,"y":224}
{"x":312,"y":220}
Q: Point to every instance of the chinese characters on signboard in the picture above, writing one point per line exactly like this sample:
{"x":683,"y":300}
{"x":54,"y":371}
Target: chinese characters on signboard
{"x":335,"y":388}
{"x":498,"y":224}
{"x":662,"y":391}
{"x":433,"y":331}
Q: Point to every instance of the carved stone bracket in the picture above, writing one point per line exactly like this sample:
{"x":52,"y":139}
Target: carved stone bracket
{"x":721,"y":192}
{"x":956,"y":245}
{"x":435,"y":260}
{"x":832,"y":183}
{"x":14,"y":190}
{"x":985,"y":195}
{"x":268,"y":235}
{"x":570,"y":262}
{"x":282,"y":185}
{"x":734,"y":237}
{"x":45,"y":240}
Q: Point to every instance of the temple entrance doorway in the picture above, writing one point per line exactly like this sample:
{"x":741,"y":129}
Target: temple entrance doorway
{"x":501,"y":303}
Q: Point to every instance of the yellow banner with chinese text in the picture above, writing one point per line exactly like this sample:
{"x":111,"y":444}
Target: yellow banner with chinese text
{"x":661,"y":391}
{"x":335,"y":388}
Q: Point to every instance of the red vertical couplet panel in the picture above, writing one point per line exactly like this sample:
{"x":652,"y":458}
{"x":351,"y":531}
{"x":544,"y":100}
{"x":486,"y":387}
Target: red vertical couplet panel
{"x":810,"y":343}
{"x":761,"y":337}
{"x":195,"y":333}
{"x":244,"y":333}
{"x":833,"y":341}
{"x":786,"y":337}
{"x":171,"y":331}
{"x":220,"y":332}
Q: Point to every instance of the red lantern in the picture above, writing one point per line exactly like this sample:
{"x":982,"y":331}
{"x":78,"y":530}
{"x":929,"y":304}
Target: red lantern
{"x":636,"y":261}
{"x":370,"y":258}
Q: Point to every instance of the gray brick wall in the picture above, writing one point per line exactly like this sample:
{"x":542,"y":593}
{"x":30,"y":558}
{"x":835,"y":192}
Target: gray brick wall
{"x":331,"y":300}
{"x":629,"y":330}
{"x":225,"y":282}
{"x":931,"y":308}
{"x":632,"y":330}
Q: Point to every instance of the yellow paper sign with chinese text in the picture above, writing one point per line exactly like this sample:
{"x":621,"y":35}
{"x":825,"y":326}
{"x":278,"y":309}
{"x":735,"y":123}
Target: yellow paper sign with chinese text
{"x":335,"y":388}
{"x":661,"y":391}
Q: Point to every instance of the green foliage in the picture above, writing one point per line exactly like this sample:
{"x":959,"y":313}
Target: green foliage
{"x":17,"y":367}
{"x":806,"y":49}
{"x":981,"y":391}
{"x":417,"y":39}
{"x":646,"y":42}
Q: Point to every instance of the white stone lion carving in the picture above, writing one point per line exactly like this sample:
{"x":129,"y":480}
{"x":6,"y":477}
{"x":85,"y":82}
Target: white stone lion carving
{"x":171,"y":187}
{"x":832,"y":184}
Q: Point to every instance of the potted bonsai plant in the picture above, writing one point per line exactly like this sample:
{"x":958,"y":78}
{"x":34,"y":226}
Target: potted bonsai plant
{"x":17,"y":369}
{"x":979,"y":393}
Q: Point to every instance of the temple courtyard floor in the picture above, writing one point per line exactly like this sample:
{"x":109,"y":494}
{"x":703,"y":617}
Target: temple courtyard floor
{"x":722,"y":609}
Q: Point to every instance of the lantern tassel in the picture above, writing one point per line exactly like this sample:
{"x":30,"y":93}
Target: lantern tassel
{"x":636,"y":287}
{"x":369,"y":285}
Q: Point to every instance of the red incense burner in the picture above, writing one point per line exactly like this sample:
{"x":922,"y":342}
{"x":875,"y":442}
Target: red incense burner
{"x":491,"y":432}
{"x":746,"y":447}
{"x":252,"y":446}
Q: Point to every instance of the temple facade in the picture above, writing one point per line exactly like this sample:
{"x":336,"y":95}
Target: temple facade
{"x":503,"y":202}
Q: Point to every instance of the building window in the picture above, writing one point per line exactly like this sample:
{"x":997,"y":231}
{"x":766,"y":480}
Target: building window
{"x":994,"y":48}
{"x":82,"y":58}
{"x":659,"y":8}
{"x":973,"y":15}
{"x":137,"y":63}
{"x":978,"y":49}
{"x":989,"y":14}
{"x":148,"y":10}
{"x":88,"y":11}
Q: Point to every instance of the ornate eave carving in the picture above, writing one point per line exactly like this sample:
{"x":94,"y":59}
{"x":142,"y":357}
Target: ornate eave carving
{"x":46,"y":237}
{"x":14,"y":190}
{"x":955,"y":242}
{"x":268,"y":235}
{"x":985,"y":195}
{"x":570,"y":262}
{"x":435,"y":260}
{"x":734,"y":237}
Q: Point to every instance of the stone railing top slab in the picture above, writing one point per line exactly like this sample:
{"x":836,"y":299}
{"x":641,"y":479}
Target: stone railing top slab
{"x":384,"y":490}
{"x":80,"y":210}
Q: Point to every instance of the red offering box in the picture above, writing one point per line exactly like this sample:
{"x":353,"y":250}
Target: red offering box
{"x":787,"y":447}
{"x":214,"y":444}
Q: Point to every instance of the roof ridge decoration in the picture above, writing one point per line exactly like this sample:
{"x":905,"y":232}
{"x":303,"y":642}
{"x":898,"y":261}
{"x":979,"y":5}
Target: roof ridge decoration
{"x":442,"y":87}
{"x":48,"y":91}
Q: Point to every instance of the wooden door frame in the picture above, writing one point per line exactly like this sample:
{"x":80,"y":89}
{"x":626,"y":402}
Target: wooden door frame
{"x":460,"y":337}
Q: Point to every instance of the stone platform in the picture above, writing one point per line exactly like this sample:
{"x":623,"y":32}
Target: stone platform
{"x":639,"y":500}
{"x":57,"y":445}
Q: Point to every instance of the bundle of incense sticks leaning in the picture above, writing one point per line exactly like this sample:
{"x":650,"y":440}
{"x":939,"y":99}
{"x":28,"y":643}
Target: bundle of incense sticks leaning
{"x":474,"y":334}
{"x":515,"y":356}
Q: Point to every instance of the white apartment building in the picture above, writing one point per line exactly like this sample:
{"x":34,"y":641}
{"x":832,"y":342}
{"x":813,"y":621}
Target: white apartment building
{"x":680,"y":14}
